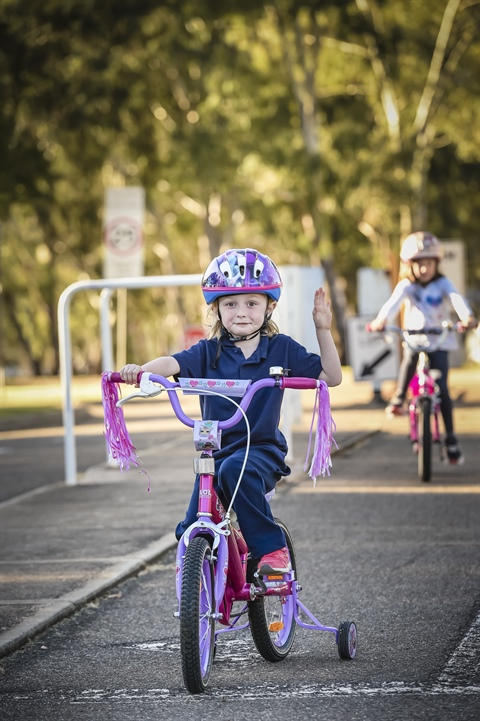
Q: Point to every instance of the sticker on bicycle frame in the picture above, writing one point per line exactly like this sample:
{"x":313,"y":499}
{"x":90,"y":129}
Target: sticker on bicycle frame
{"x":207,"y":435}
{"x":230,"y":387}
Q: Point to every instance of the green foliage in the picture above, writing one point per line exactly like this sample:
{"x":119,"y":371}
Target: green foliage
{"x":314,"y":131}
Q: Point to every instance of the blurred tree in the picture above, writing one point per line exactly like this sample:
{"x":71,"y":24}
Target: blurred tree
{"x":418,"y":64}
{"x":318,"y":132}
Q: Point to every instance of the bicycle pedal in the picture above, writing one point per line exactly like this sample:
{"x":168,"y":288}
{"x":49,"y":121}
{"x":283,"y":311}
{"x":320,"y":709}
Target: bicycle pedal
{"x":276,"y":584}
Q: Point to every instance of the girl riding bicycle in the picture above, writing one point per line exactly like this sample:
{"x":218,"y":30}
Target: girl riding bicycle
{"x":242,"y":286}
{"x":428,"y":297}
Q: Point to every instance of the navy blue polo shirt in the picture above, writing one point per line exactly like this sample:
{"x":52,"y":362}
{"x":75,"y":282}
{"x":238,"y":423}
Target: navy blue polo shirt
{"x":264,"y":410}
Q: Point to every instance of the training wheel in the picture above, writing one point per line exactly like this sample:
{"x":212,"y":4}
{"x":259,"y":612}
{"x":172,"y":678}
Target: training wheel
{"x":347,"y":640}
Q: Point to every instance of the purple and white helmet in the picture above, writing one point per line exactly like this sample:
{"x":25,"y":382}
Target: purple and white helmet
{"x":241,"y":271}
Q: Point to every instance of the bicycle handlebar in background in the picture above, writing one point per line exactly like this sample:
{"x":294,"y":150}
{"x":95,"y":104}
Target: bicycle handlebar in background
{"x":440,"y":331}
{"x":437,"y":330}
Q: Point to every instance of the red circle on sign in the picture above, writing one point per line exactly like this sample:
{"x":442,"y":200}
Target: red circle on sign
{"x":123,"y":235}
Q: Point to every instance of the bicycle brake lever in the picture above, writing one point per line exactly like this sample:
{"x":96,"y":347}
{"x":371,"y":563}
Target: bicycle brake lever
{"x":147,"y":389}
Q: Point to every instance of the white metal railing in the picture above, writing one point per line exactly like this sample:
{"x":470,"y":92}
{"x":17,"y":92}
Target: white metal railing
{"x":106,"y":286}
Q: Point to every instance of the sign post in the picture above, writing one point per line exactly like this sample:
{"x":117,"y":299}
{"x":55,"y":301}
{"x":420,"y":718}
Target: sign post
{"x":370,"y":357}
{"x":453,"y":266}
{"x":373,"y":289}
{"x":123,"y":232}
{"x":294,"y":317}
{"x":123,"y":249}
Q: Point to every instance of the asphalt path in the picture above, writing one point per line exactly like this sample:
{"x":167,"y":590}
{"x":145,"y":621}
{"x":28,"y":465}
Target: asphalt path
{"x":373,"y":545}
{"x":32,"y":446}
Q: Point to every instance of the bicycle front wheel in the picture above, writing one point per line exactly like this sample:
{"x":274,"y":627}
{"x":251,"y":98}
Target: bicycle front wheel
{"x":272,"y":618}
{"x":425,"y":439}
{"x":197,"y":608}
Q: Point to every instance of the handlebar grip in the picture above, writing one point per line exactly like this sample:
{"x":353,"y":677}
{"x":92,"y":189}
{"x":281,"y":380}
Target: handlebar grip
{"x":299,"y":383}
{"x":115,"y":377}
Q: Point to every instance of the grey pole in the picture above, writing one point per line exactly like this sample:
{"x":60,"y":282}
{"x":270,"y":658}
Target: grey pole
{"x":65,"y":344}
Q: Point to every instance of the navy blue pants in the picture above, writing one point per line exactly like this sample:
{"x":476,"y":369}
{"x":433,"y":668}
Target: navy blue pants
{"x":254,"y":515}
{"x":438,"y":360}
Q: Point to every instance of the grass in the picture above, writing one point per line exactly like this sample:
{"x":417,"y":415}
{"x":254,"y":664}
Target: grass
{"x":29,"y":395}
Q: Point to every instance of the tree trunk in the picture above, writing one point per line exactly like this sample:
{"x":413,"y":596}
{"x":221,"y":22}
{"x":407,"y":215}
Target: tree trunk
{"x":9,"y":302}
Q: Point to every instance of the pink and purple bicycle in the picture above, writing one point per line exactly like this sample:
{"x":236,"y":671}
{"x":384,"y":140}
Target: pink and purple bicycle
{"x":423,"y":394}
{"x":218,"y":587}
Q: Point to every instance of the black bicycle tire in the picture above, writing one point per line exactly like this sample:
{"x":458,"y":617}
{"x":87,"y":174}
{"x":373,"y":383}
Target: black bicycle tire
{"x":347,"y":640}
{"x":425,"y":445}
{"x":198,"y":552}
{"x":259,"y":623}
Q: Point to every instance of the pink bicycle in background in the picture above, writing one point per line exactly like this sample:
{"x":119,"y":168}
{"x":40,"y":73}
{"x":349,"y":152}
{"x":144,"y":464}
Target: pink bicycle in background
{"x":216,"y":579}
{"x":423,"y":394}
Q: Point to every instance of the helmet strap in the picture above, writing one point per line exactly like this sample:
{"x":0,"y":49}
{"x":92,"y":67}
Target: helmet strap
{"x":225,"y":334}
{"x":240,"y":338}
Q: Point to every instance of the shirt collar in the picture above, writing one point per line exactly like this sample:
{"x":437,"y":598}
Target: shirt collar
{"x":260,"y":353}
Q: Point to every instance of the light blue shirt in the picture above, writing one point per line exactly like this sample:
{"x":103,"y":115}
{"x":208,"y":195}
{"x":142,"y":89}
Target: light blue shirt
{"x":427,"y":306}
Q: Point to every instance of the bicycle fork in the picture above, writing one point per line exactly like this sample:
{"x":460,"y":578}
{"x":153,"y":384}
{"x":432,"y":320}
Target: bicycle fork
{"x":423,"y":385}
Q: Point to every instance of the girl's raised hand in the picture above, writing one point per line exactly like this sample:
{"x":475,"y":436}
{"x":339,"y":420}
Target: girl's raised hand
{"x":322,"y":311}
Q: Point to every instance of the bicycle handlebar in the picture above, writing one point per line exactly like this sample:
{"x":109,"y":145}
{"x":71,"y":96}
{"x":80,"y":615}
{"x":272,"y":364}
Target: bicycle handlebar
{"x":148,"y":379}
{"x":440,"y":331}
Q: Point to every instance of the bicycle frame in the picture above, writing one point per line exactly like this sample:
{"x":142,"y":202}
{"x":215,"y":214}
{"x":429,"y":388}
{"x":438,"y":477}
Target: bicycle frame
{"x":423,"y":385}
{"x":231,"y":558}
{"x":227,"y":543}
{"x":228,"y":547}
{"x":424,"y":403}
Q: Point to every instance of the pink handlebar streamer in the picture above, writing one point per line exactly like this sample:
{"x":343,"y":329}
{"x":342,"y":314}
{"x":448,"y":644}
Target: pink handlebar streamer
{"x":321,"y":461}
{"x":118,"y":440}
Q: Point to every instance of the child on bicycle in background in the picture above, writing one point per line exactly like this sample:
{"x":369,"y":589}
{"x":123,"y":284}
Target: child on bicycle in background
{"x":242,"y":288}
{"x":428,"y":297}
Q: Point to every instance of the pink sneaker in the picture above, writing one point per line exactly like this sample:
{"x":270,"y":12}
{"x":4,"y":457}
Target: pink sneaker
{"x":275,"y":562}
{"x":393,"y":409}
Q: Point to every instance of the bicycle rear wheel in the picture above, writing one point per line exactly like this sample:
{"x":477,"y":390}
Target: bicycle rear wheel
{"x":272,"y":618}
{"x":425,"y":439}
{"x":197,"y":623}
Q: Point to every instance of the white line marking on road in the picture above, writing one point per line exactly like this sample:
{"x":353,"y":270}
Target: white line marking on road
{"x":458,"y":678}
{"x":252,"y":693}
{"x":276,"y":691}
{"x":455,"y":680}
{"x":464,"y":663}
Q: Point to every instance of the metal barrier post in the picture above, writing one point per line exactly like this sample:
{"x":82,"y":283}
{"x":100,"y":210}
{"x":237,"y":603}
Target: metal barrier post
{"x":106,"y":329}
{"x":65,"y":343}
